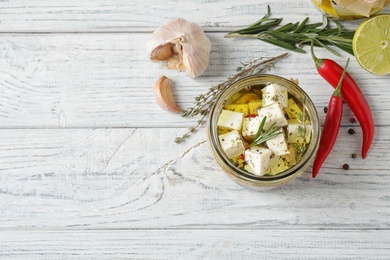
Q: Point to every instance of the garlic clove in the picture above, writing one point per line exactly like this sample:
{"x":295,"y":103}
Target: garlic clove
{"x":181,"y":45}
{"x":162,"y":52}
{"x":163,"y":95}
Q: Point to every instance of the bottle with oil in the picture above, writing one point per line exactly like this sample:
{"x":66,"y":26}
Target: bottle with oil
{"x":350,"y":9}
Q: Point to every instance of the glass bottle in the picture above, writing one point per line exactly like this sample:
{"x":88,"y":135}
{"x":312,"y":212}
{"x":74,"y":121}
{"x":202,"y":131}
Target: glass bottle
{"x":350,"y":10}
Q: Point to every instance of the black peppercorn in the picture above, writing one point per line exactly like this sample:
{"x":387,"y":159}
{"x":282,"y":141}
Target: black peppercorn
{"x":345,"y":166}
{"x":351,"y":131}
{"x":325,"y":110}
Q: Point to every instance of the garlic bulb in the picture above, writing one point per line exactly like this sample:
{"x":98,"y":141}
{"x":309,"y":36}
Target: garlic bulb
{"x":163,"y":95}
{"x":181,"y":45}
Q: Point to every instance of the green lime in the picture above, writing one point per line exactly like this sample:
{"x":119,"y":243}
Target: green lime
{"x":371,"y":44}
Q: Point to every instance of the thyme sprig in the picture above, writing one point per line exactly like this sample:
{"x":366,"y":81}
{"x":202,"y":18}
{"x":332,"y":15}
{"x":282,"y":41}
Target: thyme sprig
{"x":293,"y":36}
{"x":204,"y":102}
{"x":268,"y":134}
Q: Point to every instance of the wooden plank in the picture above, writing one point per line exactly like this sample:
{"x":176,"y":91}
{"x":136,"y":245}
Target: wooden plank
{"x":195,"y":244}
{"x":137,"y":15}
{"x":106,"y":80}
{"x":125,"y":178}
{"x":89,"y":169}
{"x":141,"y":16}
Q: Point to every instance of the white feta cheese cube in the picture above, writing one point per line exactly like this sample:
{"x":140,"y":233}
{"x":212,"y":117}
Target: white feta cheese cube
{"x":275,"y":93}
{"x":232,"y":144}
{"x":250,"y":126}
{"x":230,"y":120}
{"x":274,"y":114}
{"x":258,"y":159}
{"x":278,"y":144}
{"x":279,"y":164}
{"x":296,"y":132}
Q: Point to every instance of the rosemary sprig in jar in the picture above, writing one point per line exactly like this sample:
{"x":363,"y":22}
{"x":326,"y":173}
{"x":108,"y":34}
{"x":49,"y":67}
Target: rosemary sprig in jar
{"x":204,"y":102}
{"x":263,"y":136}
{"x":292,"y":36}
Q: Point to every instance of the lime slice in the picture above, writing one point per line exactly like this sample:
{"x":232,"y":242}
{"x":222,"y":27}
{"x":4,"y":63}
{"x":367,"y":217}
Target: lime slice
{"x":371,"y":44}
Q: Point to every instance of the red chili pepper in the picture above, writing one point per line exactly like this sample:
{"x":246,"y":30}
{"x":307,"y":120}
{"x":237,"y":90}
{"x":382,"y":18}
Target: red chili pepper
{"x":331,"y":125}
{"x":331,"y":72}
{"x":251,"y":115}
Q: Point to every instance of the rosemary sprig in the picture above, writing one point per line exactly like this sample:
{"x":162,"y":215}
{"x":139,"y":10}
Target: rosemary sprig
{"x":204,"y":102}
{"x":293,"y":36}
{"x":268,"y":134}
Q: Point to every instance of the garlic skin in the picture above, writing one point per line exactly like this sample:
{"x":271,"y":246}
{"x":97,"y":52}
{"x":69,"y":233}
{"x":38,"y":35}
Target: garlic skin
{"x":181,"y":45}
{"x":163,"y":95}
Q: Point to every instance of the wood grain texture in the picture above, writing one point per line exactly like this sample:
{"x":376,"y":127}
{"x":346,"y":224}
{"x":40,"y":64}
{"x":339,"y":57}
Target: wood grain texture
{"x":106,"y":80}
{"x":195,"y":244}
{"x":124,"y":178}
{"x":89,"y":169}
{"x":137,"y":15}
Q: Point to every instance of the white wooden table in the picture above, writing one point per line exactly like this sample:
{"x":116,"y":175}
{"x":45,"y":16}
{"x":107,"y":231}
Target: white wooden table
{"x":89,"y":168}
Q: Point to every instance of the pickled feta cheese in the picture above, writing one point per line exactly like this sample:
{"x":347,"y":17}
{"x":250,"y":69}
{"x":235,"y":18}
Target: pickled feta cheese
{"x":250,"y":126}
{"x":281,"y":163}
{"x":239,"y":123}
{"x":246,"y":98}
{"x":254,"y":106}
{"x":278,"y":144}
{"x":242,"y":108}
{"x":293,"y":111}
{"x":297,"y":132}
{"x":275,"y":93}
{"x":274,"y":114}
{"x":258,"y":159}
{"x":230,"y":119}
{"x":232,"y":144}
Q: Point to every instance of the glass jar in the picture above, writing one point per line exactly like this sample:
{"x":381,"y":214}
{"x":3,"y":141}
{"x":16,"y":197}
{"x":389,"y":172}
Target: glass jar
{"x":366,"y":9}
{"x":242,"y":176}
